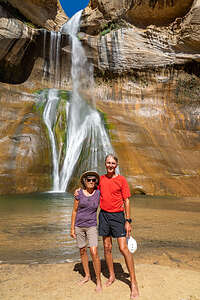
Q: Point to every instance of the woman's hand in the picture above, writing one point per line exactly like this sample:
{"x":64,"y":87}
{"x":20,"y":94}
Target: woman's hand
{"x":72,"y":234}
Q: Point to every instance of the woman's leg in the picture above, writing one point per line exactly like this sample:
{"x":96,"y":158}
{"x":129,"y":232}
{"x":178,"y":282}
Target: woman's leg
{"x":130,"y":265}
{"x":107,"y":243}
{"x":97,"y":266}
{"x":84,"y":260}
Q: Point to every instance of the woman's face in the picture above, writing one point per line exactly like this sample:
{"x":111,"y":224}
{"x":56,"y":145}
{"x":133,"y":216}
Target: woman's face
{"x":90,"y":182}
{"x":110,"y":164}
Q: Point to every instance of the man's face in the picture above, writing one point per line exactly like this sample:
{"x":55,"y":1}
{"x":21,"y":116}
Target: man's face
{"x":110,"y":164}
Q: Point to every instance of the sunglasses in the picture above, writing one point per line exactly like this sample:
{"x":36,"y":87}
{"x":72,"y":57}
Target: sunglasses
{"x":91,"y":180}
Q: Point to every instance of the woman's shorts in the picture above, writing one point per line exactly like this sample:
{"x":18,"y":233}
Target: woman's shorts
{"x":86,"y":235}
{"x":112,"y":224}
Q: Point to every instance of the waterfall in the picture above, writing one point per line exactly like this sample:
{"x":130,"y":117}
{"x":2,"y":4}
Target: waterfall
{"x":87,"y":141}
{"x":51,"y":66}
{"x":49,"y":117}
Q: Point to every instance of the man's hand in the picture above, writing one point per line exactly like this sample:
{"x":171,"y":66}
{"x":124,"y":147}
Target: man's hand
{"x":76,"y":192}
{"x":128,"y":229}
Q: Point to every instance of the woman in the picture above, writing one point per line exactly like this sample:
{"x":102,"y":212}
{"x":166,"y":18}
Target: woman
{"x":84,"y":224}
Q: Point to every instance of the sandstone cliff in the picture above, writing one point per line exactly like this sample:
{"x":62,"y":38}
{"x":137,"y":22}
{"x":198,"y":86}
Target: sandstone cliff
{"x":47,"y":14}
{"x":146,"y":61}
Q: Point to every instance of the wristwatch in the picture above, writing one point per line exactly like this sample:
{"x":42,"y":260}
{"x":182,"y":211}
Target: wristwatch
{"x":128,"y":220}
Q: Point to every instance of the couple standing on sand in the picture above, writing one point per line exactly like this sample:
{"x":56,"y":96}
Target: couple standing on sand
{"x":114,"y":221}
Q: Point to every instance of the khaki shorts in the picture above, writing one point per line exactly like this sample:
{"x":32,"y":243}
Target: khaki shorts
{"x":86,"y":235}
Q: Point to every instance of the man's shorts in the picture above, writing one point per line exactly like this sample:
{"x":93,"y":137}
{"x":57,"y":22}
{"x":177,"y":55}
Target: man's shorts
{"x":112,"y":224}
{"x":86,"y":235}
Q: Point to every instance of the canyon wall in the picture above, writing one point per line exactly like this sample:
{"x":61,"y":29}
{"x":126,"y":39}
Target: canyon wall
{"x":146,"y":64}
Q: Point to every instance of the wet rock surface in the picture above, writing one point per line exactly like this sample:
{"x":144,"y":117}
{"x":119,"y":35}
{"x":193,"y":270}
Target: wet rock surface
{"x":147,"y":84}
{"x":25,"y":157}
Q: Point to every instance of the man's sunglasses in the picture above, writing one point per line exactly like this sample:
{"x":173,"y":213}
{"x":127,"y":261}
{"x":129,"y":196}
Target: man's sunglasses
{"x":89,"y":180}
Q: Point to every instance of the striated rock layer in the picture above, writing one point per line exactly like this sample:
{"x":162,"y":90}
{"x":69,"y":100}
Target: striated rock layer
{"x":146,"y":62}
{"x":45,"y":13}
{"x":25,"y":156}
{"x":154,"y":123}
{"x":140,"y":13}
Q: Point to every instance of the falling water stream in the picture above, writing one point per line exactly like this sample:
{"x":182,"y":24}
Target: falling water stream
{"x":49,"y":117}
{"x":87,"y":141}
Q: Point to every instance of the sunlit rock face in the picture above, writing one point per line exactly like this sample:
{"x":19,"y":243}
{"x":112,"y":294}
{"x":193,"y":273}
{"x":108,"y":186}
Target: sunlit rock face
{"x":111,"y":8}
{"x":140,"y":13}
{"x":28,"y":62}
{"x":25,"y":156}
{"x":45,"y":13}
{"x":157,"y":12}
{"x":147,"y":85}
{"x":154,"y":123}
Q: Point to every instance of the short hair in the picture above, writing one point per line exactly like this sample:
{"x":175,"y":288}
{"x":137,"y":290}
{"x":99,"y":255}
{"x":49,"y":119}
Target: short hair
{"x":113,"y":156}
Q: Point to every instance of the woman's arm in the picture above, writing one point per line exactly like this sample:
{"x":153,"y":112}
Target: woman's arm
{"x":127,"y":216}
{"x":73,"y":218}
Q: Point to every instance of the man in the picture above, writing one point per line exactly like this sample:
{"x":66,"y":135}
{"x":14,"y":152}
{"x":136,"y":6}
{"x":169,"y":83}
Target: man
{"x":114,"y":219}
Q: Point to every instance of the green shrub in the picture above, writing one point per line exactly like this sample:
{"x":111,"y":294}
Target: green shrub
{"x":107,"y":28}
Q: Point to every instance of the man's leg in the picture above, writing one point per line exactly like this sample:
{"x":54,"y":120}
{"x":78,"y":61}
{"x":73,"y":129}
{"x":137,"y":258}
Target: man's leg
{"x":130,"y":265}
{"x":107,"y":243}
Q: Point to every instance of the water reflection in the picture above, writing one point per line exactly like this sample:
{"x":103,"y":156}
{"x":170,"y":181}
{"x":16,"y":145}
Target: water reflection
{"x":189,"y":204}
{"x":35,"y":228}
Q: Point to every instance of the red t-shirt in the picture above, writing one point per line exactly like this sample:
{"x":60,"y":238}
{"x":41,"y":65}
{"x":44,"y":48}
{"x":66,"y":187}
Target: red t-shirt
{"x":113,"y":192}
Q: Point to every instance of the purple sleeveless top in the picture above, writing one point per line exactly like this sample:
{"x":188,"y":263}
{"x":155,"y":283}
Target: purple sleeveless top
{"x":87,"y":209}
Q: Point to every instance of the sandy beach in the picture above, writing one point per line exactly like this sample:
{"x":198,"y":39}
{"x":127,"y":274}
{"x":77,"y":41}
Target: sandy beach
{"x":160,"y":278}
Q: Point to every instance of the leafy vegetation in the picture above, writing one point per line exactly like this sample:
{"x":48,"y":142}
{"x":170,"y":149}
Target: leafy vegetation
{"x":104,"y":119}
{"x":60,"y":125}
{"x":107,"y":28}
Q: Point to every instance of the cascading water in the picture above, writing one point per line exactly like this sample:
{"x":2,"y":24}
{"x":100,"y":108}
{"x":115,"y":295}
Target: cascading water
{"x":49,"y":117}
{"x":51,"y":66}
{"x":87,"y":141}
{"x":85,"y":124}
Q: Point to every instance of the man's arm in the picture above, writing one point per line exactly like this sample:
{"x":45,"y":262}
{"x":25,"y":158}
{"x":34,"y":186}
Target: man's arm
{"x":127,"y":216}
{"x":76,"y":192}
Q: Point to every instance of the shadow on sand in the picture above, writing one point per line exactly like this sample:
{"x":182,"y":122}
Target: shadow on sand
{"x":119,"y":272}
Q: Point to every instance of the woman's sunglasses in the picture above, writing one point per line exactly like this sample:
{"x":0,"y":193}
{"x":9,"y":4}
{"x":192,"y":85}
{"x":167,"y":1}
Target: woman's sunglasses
{"x":89,"y":180}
